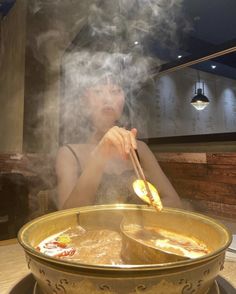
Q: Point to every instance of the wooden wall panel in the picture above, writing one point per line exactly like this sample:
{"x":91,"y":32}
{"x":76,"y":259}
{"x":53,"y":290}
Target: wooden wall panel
{"x":221,"y":158}
{"x":211,"y":191}
{"x":219,"y":173}
{"x":210,"y":186}
{"x":222,"y":173}
{"x":181,"y":157}
{"x":207,"y":179}
{"x":216,"y":208}
{"x":184,"y":170}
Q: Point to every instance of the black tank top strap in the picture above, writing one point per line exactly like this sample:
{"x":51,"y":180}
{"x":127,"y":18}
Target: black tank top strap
{"x":136,"y":151}
{"x":75,"y":155}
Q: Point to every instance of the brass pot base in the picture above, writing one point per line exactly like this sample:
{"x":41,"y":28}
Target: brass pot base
{"x":28,"y":285}
{"x":55,"y":275}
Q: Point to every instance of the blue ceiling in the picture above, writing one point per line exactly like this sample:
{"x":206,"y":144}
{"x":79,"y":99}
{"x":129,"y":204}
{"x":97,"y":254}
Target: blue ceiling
{"x":213,"y":24}
{"x":213,"y":21}
{"x":213,"y":28}
{"x":5,"y":6}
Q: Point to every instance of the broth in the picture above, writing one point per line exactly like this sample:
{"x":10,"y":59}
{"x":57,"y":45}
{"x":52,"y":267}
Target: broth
{"x":104,"y":246}
{"x":91,"y":246}
{"x":167,"y":241}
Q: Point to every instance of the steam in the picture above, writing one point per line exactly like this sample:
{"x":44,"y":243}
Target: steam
{"x":114,"y":42}
{"x":85,"y":69}
{"x":125,"y":24}
{"x":88,"y":39}
{"x":134,"y":20}
{"x":81,"y":43}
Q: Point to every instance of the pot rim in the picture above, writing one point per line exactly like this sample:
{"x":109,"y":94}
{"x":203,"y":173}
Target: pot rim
{"x":145,"y":267}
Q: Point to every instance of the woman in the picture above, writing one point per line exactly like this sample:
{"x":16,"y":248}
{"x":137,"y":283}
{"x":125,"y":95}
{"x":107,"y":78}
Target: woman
{"x":99,"y":171}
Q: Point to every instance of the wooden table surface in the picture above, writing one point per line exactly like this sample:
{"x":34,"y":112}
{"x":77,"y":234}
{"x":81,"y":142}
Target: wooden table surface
{"x":14,"y":267}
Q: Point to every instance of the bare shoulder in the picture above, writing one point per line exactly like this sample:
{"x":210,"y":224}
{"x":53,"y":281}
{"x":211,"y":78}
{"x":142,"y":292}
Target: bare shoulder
{"x":66,"y":163}
{"x":65,"y":154}
{"x":67,"y":149}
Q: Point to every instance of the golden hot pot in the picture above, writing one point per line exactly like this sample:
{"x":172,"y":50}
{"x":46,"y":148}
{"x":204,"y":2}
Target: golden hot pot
{"x":57,"y":276}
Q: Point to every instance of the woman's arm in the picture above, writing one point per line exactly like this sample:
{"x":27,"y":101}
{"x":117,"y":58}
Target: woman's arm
{"x":157,"y":177}
{"x":76,"y":187}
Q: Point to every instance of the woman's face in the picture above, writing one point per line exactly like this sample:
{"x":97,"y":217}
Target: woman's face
{"x":106,"y":103}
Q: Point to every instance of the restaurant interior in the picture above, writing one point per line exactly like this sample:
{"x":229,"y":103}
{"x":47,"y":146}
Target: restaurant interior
{"x":184,"y":110}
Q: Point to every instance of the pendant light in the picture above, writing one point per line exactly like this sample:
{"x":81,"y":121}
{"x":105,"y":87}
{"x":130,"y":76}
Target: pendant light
{"x":199,"y":101}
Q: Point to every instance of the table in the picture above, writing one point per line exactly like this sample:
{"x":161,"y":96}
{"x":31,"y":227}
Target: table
{"x":14,"y":267}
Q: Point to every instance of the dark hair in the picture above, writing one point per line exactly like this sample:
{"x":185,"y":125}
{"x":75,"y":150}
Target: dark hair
{"x":125,"y":119}
{"x":91,"y":58}
{"x":84,"y":125}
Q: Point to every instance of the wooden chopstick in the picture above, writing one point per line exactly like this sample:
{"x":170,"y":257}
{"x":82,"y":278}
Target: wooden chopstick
{"x":139,"y":172}
{"x":134,"y":166}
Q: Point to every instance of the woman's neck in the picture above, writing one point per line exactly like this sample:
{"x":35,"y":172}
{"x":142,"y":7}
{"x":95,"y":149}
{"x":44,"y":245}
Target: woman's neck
{"x":96,"y":137}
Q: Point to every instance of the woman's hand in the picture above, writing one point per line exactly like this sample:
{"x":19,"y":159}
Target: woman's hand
{"x":117,"y":141}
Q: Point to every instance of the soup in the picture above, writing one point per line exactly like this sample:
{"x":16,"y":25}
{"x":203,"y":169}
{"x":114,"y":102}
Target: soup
{"x":167,"y":241}
{"x":84,"y":246}
{"x":104,"y":246}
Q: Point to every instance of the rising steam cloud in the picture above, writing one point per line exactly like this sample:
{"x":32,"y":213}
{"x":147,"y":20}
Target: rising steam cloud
{"x":78,"y":44}
{"x":109,"y":37}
